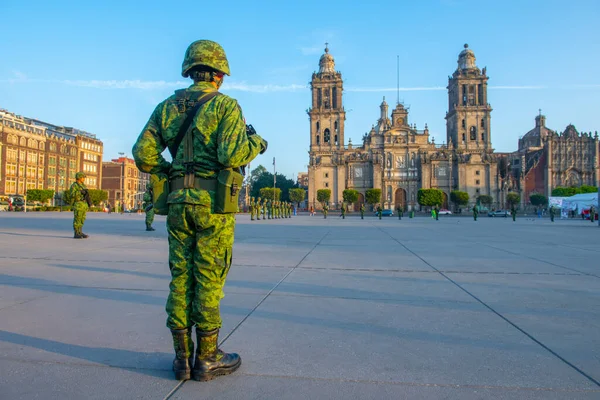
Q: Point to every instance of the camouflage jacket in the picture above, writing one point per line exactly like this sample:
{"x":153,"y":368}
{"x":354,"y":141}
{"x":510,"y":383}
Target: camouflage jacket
{"x":219,"y":136}
{"x":76,"y":192}
{"x":147,"y":199}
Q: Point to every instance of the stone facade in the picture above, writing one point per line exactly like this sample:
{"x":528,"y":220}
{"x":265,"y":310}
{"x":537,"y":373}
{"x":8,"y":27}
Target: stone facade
{"x":38,"y":155}
{"x":124,"y":183}
{"x":547,"y":159}
{"x":395,"y":156}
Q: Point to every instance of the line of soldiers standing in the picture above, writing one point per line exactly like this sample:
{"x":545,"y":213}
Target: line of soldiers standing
{"x":270,"y":209}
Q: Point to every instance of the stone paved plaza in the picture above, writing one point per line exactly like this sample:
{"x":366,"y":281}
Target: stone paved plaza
{"x":318,"y":309}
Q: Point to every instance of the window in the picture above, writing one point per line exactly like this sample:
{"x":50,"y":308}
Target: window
{"x":335,"y":139}
{"x":477,"y":172}
{"x":51,"y":170}
{"x":463,"y":137}
{"x":51,"y":160}
{"x":52,"y":146}
{"x":483,"y":122}
{"x":22,"y":156}
{"x":72,"y":164}
{"x":335,"y":125}
{"x":483,"y":136}
{"x":473,"y":133}
{"x":318,"y":140}
{"x":326,"y":175}
{"x":41,"y":160}
{"x":326,"y":136}
{"x":464,"y":124}
{"x":63,"y":162}
{"x":318,"y":126}
{"x":11,"y":186}
{"x":326,"y":184}
{"x":477,"y":190}
{"x":11,"y":155}
{"x":477,"y":182}
{"x":51,"y":183}
{"x":40,"y":172}
{"x":11,"y":169}
{"x":23,"y":142}
{"x":516,"y":161}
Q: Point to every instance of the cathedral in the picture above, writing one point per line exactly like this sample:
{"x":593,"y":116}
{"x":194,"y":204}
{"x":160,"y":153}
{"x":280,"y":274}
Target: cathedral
{"x":395,"y":156}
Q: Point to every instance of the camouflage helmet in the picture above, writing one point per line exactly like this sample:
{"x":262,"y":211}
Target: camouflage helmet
{"x":79,"y":175}
{"x":207,"y":53}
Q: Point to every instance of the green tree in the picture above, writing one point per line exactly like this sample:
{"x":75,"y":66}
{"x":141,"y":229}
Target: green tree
{"x":588,"y":189}
{"x":98,"y":196}
{"x":459,"y":198}
{"x":39,"y":195}
{"x":323,"y":195}
{"x":485,"y":199}
{"x":297,"y":195}
{"x":560,"y":191}
{"x":261,"y":178}
{"x":373,"y":196}
{"x":430,"y":197}
{"x":66,"y":197}
{"x":350,"y":196}
{"x":513,"y":199}
{"x":267,"y":193}
{"x":538,"y":200}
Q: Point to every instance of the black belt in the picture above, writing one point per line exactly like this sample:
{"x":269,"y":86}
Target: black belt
{"x":199,"y":183}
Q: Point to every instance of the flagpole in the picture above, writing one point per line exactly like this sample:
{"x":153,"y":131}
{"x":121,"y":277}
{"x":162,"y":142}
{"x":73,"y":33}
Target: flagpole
{"x":274,"y":179}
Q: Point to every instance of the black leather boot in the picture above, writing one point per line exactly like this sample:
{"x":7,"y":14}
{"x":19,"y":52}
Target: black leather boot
{"x":210,"y":360}
{"x":184,"y":353}
{"x":78,"y":235}
{"x":149,"y":228}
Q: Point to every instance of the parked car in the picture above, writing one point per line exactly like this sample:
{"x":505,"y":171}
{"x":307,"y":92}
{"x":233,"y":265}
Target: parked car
{"x":386,"y":213}
{"x":443,"y":211}
{"x":499,"y":213}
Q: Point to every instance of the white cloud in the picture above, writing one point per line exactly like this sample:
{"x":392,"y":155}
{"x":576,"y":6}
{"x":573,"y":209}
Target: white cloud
{"x":124,"y":84}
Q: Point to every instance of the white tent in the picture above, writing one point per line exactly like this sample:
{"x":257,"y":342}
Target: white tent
{"x":581,"y":202}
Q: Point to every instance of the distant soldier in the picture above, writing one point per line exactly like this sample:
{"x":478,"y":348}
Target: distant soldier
{"x":399,"y":211}
{"x":251,"y":207}
{"x":379,"y":211}
{"x":258,"y":208}
{"x":362,"y":211}
{"x":264,"y":208}
{"x":475,"y":212}
{"x":437,"y":213}
{"x":552,"y":213}
{"x":270,"y":208}
{"x":80,"y":201}
{"x":513,"y":212}
{"x":149,"y":208}
{"x":592,"y":214}
{"x":325,"y":210}
{"x":343,"y":214}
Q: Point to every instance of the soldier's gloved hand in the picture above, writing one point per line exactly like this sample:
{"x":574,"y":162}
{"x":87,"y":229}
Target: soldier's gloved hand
{"x":265,"y":144}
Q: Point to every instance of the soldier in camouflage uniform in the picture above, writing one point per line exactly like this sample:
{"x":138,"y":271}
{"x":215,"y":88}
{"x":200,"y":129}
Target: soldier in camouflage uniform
{"x":252,"y":208}
{"x":362,"y":211}
{"x":264,"y":208}
{"x":78,"y":193}
{"x":475,"y":212}
{"x":343,"y":214}
{"x":148,"y":208}
{"x":325,"y":211}
{"x":379,"y":211}
{"x":258,"y":208}
{"x":270,"y":208}
{"x":200,"y":241}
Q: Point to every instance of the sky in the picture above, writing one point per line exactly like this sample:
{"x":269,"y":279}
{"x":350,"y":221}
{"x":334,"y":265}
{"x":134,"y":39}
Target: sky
{"x":104,"y":66}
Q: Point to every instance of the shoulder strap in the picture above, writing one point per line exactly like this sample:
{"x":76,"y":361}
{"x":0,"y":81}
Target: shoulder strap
{"x":188,"y":121}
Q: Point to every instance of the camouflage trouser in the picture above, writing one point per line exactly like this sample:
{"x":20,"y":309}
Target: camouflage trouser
{"x":149,"y":217}
{"x":79,"y":210}
{"x":200,"y":247}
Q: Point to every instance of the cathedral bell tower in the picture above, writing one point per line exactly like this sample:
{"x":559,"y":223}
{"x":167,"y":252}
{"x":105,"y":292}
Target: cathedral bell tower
{"x":326,"y":168}
{"x":468,"y":118}
{"x":327,"y":114}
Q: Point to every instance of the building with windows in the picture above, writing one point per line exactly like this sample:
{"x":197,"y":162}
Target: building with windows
{"x":395,"y":156}
{"x":38,"y":155}
{"x":124,"y":183}
{"x":547,"y":158}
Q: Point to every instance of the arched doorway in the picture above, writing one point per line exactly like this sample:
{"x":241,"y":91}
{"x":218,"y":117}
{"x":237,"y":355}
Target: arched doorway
{"x":400,"y":198}
{"x":361,"y":200}
{"x":445,"y":201}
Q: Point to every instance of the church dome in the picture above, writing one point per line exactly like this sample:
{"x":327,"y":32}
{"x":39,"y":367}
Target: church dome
{"x":466,"y":59}
{"x":326,"y":63}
